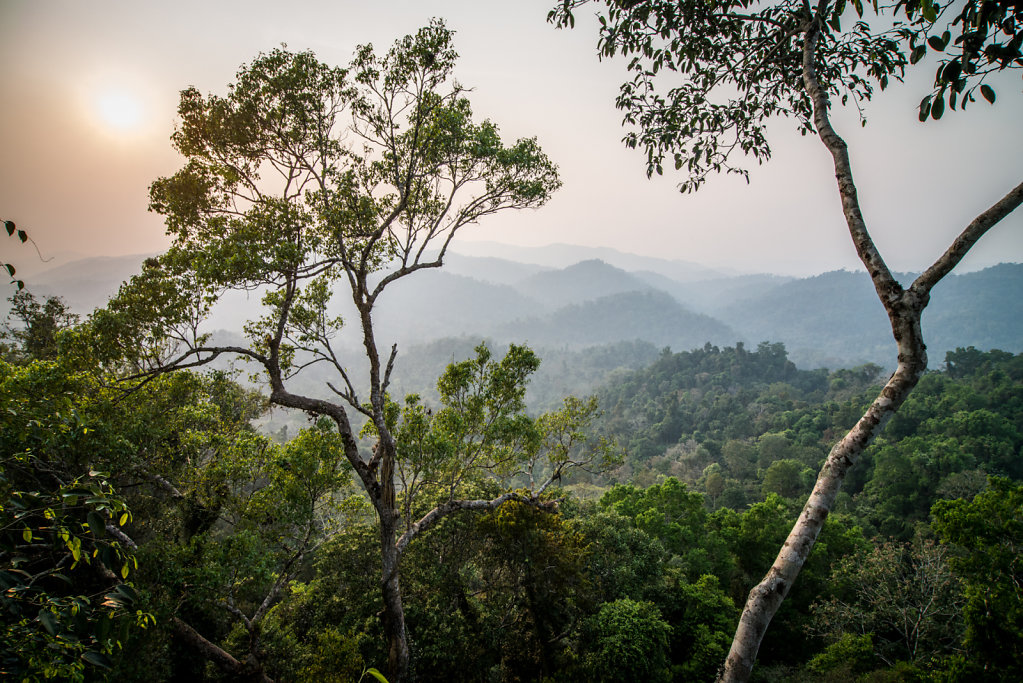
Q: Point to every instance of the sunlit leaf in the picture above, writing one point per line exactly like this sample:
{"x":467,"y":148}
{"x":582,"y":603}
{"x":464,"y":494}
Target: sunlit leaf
{"x":377,"y":675}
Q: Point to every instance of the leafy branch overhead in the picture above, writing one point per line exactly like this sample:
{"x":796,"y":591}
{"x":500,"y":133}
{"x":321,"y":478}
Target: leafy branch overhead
{"x":706,"y":78}
{"x":22,"y":236}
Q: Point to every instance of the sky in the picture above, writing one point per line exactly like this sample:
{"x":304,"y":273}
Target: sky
{"x":90,"y":91}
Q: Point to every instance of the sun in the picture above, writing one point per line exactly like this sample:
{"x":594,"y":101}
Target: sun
{"x":119,"y":110}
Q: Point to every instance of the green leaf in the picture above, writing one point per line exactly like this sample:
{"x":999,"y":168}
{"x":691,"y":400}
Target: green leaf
{"x":48,"y":621}
{"x":127,"y":593}
{"x":10,"y":227}
{"x":935,"y":42}
{"x":917,"y":54}
{"x":22,"y":235}
{"x":27,"y":535}
{"x":925,"y":108}
{"x":950,"y":73}
{"x":376,"y":674}
{"x":123,"y":520}
{"x":10,"y":269}
{"x":96,"y":525}
{"x":938,"y":108}
{"x":988,"y":92}
{"x":97,"y":659}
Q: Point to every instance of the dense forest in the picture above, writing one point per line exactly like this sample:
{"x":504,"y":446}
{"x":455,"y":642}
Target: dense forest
{"x":423,"y":514}
{"x":152,"y":533}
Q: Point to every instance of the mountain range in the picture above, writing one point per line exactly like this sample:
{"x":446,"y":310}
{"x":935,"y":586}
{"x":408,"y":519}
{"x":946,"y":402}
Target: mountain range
{"x":554,"y":302}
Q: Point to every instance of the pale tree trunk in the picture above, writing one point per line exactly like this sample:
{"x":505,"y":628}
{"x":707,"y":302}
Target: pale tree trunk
{"x":904,"y":308}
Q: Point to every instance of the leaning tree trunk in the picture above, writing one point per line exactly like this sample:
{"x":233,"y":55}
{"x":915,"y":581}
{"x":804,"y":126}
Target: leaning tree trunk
{"x":904,"y":308}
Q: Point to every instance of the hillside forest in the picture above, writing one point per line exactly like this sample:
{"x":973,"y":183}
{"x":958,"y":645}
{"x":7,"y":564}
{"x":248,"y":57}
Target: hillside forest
{"x":195,"y":516}
{"x":312,"y":441}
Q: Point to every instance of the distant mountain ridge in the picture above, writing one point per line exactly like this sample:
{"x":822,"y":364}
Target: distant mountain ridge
{"x":584,"y":281}
{"x":563,"y":255}
{"x":832,"y":319}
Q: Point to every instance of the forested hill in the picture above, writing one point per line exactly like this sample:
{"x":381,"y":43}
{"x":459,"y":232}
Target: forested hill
{"x":714,"y":394}
{"x":739,"y":425}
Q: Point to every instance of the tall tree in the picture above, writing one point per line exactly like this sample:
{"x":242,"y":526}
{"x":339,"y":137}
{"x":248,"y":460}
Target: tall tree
{"x":306,"y":180}
{"x":706,"y":77}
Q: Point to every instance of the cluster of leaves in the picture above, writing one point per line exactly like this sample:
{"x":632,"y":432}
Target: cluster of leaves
{"x":975,"y":39}
{"x":707,"y":77}
{"x":33,"y":333}
{"x":22,"y":236}
{"x":711,"y":396}
{"x":642,"y":579}
{"x":65,"y":600}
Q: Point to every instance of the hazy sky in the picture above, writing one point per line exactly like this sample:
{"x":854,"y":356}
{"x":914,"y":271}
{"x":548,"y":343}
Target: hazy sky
{"x":90,"y":91}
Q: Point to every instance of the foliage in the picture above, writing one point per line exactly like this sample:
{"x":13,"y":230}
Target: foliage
{"x":631,"y":641}
{"x":904,"y":598}
{"x":731,"y":68}
{"x":988,"y":532}
{"x":34,"y":337}
{"x":979,"y":38}
{"x":64,"y":561}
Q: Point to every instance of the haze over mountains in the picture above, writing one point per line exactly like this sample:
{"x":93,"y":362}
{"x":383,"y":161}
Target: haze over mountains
{"x":567,"y":299}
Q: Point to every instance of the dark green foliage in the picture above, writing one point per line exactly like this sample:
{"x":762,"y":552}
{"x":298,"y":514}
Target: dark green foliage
{"x":975,"y":39}
{"x":22,"y":236}
{"x":630,"y":641}
{"x":714,"y":104}
{"x":66,"y":605}
{"x":987,"y":537}
{"x":728,"y":394}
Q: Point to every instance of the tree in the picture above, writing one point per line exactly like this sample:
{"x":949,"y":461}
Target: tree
{"x":631,"y":642}
{"x":990,"y":529}
{"x":35,"y":337}
{"x":727,"y":68}
{"x":904,"y":598}
{"x":305,"y":179}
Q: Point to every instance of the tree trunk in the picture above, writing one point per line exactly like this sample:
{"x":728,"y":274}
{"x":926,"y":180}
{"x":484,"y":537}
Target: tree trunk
{"x":394,"y":616}
{"x":250,"y":670}
{"x":390,"y":556}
